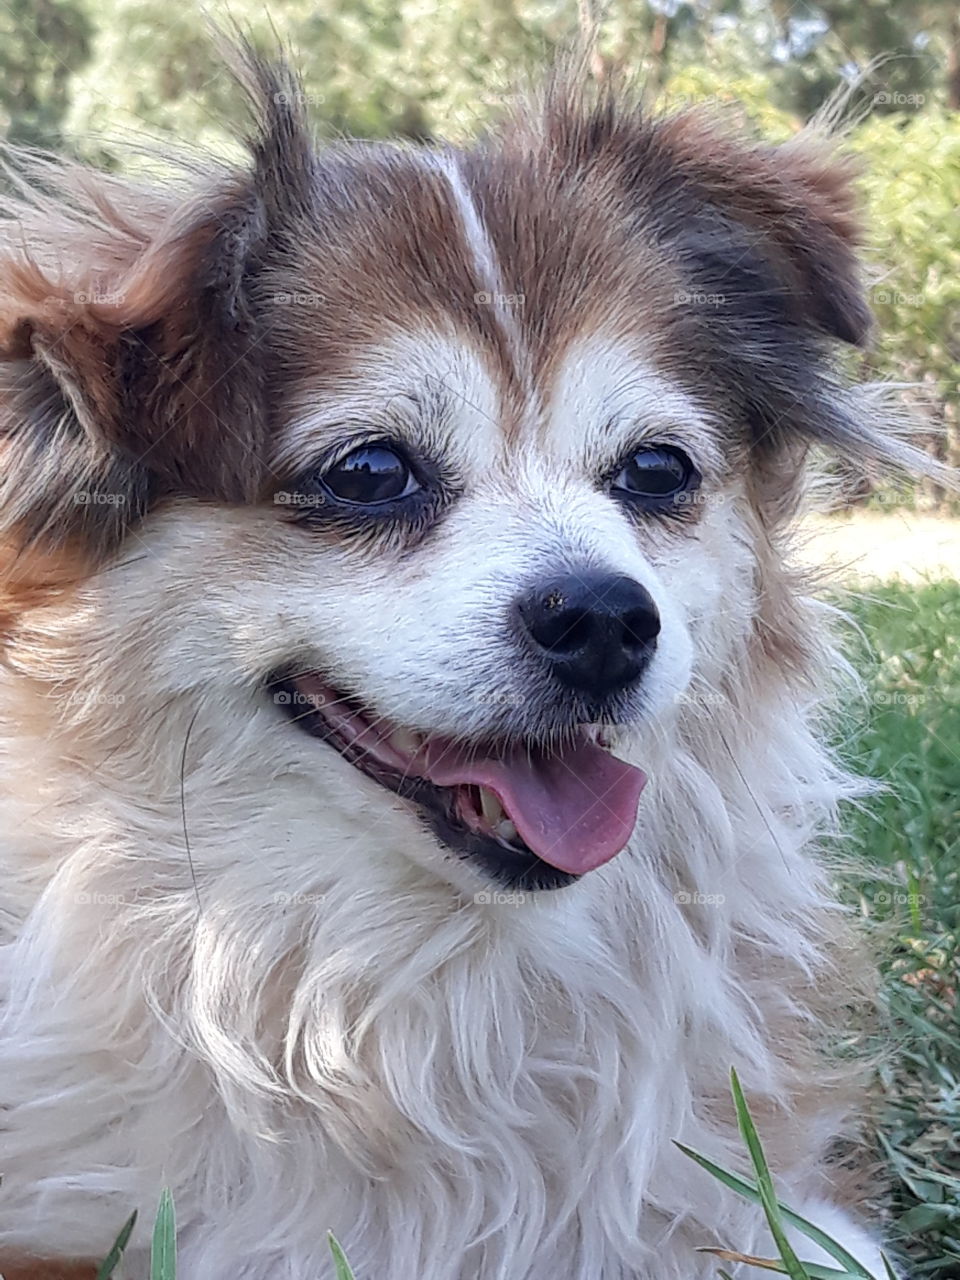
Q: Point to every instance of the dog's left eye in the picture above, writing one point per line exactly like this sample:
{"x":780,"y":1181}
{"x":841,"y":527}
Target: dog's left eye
{"x":369,"y":475}
{"x":656,"y":475}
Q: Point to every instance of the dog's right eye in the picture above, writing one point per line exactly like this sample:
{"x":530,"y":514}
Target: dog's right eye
{"x":371,"y":474}
{"x":377,"y":485}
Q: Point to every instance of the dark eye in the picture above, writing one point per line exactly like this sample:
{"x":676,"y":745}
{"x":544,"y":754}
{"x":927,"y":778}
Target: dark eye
{"x":657,"y":475}
{"x":371,"y":474}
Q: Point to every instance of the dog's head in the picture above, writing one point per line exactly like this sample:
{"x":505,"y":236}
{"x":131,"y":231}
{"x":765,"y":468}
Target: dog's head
{"x":453,"y":471}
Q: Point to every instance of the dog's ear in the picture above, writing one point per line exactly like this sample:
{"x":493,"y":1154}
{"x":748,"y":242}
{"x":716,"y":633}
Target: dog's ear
{"x":133,"y":335}
{"x":745,"y":223}
{"x":766,"y":241}
{"x":782,"y":218}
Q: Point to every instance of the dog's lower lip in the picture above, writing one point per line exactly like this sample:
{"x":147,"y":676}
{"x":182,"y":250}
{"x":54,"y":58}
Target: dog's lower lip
{"x":522,"y":810}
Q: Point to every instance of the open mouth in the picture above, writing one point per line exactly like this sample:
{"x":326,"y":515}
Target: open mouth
{"x":531,"y":818}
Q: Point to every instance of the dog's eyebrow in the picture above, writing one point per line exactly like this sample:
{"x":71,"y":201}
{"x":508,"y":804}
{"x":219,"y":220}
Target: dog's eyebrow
{"x":622,"y":430}
{"x":649,"y":404}
{"x":661,"y":397}
{"x":662,"y":424}
{"x":414,"y":412}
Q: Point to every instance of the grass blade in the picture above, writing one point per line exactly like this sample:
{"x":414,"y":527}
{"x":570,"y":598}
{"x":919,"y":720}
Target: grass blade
{"x":768,"y":1198}
{"x":904,"y":1165}
{"x":814,"y":1269}
{"x":109,"y":1264}
{"x":747,"y":1260}
{"x":749,"y":1191}
{"x":163,"y":1249}
{"x":339,"y":1258}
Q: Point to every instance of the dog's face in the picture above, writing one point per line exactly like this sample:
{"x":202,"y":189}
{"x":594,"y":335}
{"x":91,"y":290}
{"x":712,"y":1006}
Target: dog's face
{"x":476,"y":571}
{"x":455,"y":469}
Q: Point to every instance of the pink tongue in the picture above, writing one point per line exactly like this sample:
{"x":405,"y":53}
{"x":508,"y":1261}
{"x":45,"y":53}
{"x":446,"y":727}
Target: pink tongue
{"x":575,"y":810}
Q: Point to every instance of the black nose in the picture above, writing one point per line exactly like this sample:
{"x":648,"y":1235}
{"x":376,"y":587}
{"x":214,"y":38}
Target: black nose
{"x":598,"y":630}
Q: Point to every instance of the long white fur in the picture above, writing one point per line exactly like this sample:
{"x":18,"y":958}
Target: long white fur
{"x":234,"y":966}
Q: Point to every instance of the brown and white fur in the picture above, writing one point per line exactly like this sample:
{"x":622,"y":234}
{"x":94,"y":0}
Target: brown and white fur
{"x":235,"y":965}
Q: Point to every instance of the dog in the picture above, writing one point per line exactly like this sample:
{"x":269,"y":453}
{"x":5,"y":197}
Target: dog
{"x":415,"y":792}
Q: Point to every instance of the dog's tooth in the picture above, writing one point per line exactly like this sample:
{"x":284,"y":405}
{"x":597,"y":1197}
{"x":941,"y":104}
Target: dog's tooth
{"x":405,"y":741}
{"x":507,"y":831}
{"x":491,"y":806}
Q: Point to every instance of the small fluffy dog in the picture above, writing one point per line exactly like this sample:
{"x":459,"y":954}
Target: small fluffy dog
{"x":411,"y":782}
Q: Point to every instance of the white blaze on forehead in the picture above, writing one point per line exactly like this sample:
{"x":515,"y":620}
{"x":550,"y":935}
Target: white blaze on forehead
{"x":607,"y":397}
{"x":415,"y":386}
{"x":478,"y":241}
{"x":493,"y":293}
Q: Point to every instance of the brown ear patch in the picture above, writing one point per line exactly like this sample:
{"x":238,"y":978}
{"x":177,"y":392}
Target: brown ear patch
{"x":736,"y":262}
{"x":191,"y":358}
{"x":797,"y":201}
{"x":792,"y":208}
{"x":61,"y":476}
{"x":33,"y":577}
{"x":147,"y":383}
{"x":133,"y":341}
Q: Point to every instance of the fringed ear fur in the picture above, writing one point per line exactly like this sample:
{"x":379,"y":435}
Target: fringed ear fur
{"x":794,"y":204}
{"x":133,"y":343}
{"x":769,"y":236}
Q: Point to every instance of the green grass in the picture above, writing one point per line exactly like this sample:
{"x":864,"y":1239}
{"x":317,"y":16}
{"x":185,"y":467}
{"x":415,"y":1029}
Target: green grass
{"x":163,"y":1247}
{"x":778,"y":1215}
{"x":907,"y":734}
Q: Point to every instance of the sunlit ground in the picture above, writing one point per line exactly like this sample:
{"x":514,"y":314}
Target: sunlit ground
{"x":899,"y":544}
